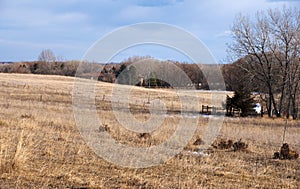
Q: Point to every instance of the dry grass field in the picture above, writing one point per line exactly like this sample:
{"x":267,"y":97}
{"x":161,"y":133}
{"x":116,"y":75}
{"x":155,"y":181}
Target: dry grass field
{"x":41,"y":147}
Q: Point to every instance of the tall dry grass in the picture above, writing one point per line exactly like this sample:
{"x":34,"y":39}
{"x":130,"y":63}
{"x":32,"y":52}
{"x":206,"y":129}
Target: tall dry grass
{"x":41,"y":147}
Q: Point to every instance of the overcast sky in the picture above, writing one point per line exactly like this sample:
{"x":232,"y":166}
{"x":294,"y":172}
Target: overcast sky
{"x":70,"y":27}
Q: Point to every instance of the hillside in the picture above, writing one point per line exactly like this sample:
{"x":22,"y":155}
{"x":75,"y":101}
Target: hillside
{"x":112,"y":72}
{"x":41,"y":146}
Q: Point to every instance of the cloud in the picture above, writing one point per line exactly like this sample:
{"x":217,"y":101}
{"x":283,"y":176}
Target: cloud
{"x":80,"y":23}
{"x":161,"y":52}
{"x":136,"y":13}
{"x":69,"y":18}
{"x":157,"y":3}
{"x":226,"y":33}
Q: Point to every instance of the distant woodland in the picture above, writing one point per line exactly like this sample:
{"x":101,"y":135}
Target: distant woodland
{"x":122,"y":73}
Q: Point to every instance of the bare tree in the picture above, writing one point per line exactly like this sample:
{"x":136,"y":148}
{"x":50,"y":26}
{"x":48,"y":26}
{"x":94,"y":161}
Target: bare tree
{"x":271,"y":43}
{"x":286,"y":29}
{"x":47,"y":55}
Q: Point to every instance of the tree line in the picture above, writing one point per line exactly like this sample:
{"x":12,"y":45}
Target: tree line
{"x":122,"y":73}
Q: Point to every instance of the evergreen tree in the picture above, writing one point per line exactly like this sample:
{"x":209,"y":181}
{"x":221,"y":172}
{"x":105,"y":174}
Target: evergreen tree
{"x":153,"y":80}
{"x":122,"y":75}
{"x":229,"y":106}
{"x":242,"y":100}
{"x":132,"y":76}
{"x":127,"y":75}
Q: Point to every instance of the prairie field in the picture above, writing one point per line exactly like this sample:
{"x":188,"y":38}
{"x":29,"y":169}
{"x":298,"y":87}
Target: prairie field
{"x":42,"y":147}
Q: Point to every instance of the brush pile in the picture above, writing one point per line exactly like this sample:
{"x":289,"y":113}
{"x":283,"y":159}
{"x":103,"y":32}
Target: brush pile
{"x":239,"y":146}
{"x":223,"y":144}
{"x":286,"y":153}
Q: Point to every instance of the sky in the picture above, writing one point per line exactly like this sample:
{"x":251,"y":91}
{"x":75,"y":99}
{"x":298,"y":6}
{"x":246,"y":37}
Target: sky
{"x":70,"y":27}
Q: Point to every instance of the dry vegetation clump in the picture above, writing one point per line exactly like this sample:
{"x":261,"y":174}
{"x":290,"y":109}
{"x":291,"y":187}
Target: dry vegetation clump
{"x":198,"y":141}
{"x":144,"y":135}
{"x":239,"y":145}
{"x":222,"y":144}
{"x":286,"y":153}
{"x":103,"y":128}
{"x":195,"y":144}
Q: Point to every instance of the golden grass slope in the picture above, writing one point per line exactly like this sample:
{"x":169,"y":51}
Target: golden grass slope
{"x":41,"y":147}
